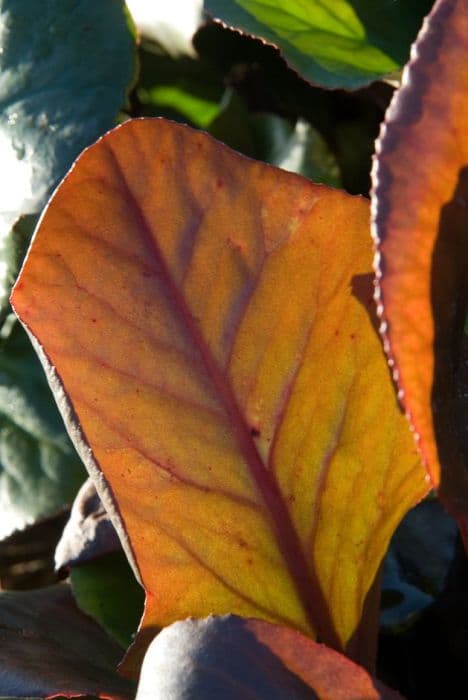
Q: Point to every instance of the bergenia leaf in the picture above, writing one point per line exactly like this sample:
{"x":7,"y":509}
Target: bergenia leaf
{"x":230,"y":658}
{"x":107,"y":590}
{"x":339,"y":44}
{"x":420,"y":220}
{"x":65,"y":71}
{"x":40,"y":471}
{"x":207,"y":325}
{"x":89,"y":532}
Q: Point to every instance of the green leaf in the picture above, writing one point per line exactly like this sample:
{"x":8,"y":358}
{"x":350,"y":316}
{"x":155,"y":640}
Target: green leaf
{"x":65,"y":70}
{"x":107,"y":590}
{"x":13,"y":248}
{"x":182,"y":88}
{"x":39,"y":469}
{"x":64,"y":73}
{"x":344,"y":43}
{"x":304,"y":152}
{"x":223,"y":460}
{"x":298,"y":148}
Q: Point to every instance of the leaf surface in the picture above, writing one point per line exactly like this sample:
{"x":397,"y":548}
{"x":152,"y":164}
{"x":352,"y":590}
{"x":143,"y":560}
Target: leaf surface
{"x":49,"y":647}
{"x":345,"y":44}
{"x":106,"y":589}
{"x":420,"y":223}
{"x":230,"y":658}
{"x":13,"y":248}
{"x":40,"y":471}
{"x":89,"y":532}
{"x":211,"y":320}
{"x":182,"y":89}
{"x":65,"y":71}
{"x":298,"y":148}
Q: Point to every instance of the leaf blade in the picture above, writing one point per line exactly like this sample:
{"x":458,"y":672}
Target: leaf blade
{"x":210,"y":418}
{"x":39,"y":468}
{"x":49,"y":647}
{"x":344,"y":45}
{"x":80,"y":81}
{"x":231,"y":657}
{"x":422,"y":253}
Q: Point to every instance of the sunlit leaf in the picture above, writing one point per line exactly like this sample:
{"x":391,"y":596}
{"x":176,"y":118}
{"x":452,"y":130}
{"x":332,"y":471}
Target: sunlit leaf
{"x":231,"y":658}
{"x":49,"y":647}
{"x":210,"y":319}
{"x":344,"y":43}
{"x":420,"y":222}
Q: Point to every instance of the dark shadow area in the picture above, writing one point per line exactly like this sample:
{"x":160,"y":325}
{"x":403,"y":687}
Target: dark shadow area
{"x":449,"y":296}
{"x":27,"y":556}
{"x":428,"y":660}
{"x":362,"y":287}
{"x":392,"y":26}
{"x":362,"y":646}
{"x":349,"y":121}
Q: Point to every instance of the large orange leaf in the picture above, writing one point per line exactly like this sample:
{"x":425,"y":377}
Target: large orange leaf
{"x":209,"y":320}
{"x":420,"y":222}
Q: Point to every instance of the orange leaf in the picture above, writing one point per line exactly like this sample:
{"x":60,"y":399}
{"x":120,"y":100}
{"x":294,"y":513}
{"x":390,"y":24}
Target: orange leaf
{"x":208,"y":318}
{"x":420,"y":222}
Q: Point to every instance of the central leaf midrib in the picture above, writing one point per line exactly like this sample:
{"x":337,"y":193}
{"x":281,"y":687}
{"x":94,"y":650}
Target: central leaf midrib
{"x":306,"y":585}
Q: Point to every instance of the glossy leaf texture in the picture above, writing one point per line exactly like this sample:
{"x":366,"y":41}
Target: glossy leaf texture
{"x":207,"y":325}
{"x":420,"y":220}
{"x":65,"y":72}
{"x":230,"y":658}
{"x":50,"y":648}
{"x":343,"y":44}
{"x":40,"y":471}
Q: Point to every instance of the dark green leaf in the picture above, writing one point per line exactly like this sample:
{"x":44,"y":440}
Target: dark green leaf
{"x":65,"y":70}
{"x":39,"y":469}
{"x":13,"y":248}
{"x":298,"y":148}
{"x":347,"y":43}
{"x":182,"y":88}
{"x":304,"y":151}
{"x":107,"y":590}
